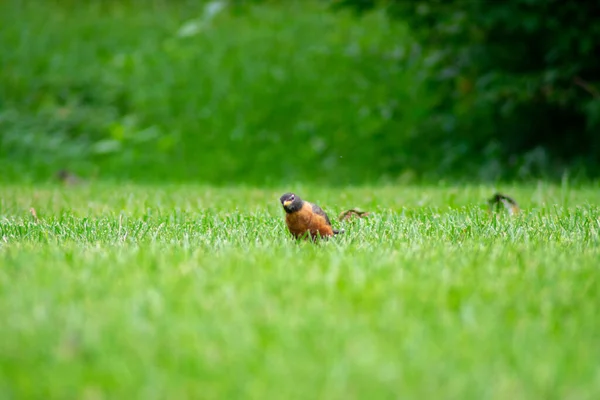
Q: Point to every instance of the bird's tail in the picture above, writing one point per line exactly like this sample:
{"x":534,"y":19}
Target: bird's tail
{"x":338,"y":231}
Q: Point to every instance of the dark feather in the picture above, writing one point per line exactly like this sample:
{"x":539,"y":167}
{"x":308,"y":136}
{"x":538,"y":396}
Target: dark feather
{"x":318,"y":210}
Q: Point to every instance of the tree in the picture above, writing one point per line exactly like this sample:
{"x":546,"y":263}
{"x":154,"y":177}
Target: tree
{"x":518,"y":79}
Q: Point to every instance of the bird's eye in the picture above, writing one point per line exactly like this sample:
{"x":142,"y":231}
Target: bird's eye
{"x":292,"y":197}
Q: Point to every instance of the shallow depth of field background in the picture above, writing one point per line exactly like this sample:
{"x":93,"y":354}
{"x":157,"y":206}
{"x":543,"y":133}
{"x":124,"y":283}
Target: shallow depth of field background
{"x":271,"y":92}
{"x":167,"y":271}
{"x":174,"y":92}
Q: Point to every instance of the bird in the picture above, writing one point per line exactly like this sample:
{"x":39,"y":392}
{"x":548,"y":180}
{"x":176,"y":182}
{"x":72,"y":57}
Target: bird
{"x":509,"y":204}
{"x":305,"y":219}
{"x":353,"y":213}
{"x":68,"y":178}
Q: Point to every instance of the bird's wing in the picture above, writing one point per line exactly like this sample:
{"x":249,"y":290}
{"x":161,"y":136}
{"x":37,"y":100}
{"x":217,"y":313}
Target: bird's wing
{"x":318,"y":210}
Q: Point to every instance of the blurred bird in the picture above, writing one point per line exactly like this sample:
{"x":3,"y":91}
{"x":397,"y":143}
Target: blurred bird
{"x":500,"y":199}
{"x":305,"y":219}
{"x":34,"y":214}
{"x":68,"y":178}
{"x":353,"y":213}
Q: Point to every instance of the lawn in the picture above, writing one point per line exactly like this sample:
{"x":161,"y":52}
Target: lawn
{"x":182,"y":291}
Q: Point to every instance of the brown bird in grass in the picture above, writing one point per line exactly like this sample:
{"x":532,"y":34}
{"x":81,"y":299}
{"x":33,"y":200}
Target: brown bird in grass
{"x":509,"y":204}
{"x":353,"y":213}
{"x":305,"y":219}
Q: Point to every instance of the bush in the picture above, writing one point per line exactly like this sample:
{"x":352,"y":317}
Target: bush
{"x":519,"y":81}
{"x":185,"y":91}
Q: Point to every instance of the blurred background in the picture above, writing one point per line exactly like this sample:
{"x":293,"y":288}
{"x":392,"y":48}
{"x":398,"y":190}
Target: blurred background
{"x":268,"y":92}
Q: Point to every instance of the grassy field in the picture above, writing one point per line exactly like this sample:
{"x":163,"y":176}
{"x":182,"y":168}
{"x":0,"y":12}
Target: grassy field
{"x":196,"y":292}
{"x":189,"y":291}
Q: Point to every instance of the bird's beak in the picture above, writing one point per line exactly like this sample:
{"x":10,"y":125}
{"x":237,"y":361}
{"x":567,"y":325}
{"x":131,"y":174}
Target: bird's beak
{"x":287,"y":203}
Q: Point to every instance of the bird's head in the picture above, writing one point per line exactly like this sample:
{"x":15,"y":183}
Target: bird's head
{"x":290,"y":202}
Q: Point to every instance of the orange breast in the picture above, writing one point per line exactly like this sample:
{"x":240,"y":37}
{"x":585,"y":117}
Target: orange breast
{"x":305,"y":220}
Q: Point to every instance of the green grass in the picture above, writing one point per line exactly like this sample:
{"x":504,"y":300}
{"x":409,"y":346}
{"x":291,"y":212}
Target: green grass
{"x":196,"y":292}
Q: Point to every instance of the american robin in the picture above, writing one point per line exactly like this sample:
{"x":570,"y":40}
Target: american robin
{"x":304,"y":218}
{"x":509,"y":204}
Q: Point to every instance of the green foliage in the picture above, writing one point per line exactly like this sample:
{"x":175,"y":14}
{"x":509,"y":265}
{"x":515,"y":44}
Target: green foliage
{"x":193,"y":91}
{"x":196,"y":292}
{"x":519,"y":79}
{"x":283,"y":91}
